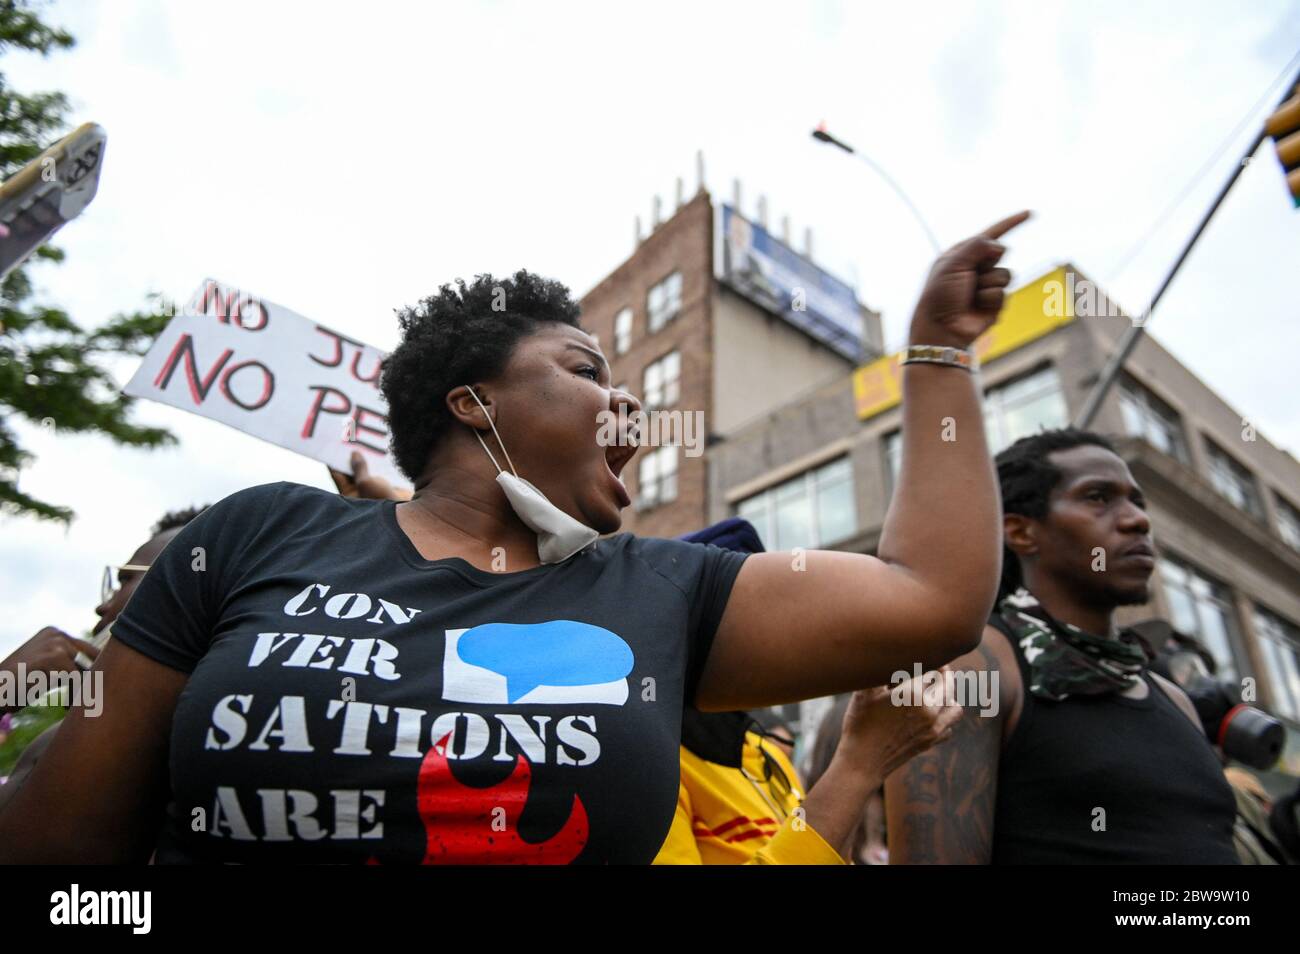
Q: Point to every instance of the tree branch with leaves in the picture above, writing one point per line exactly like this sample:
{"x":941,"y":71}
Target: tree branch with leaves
{"x":52,"y":369}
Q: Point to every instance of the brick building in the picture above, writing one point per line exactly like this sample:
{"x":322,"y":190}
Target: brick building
{"x":681,"y":336}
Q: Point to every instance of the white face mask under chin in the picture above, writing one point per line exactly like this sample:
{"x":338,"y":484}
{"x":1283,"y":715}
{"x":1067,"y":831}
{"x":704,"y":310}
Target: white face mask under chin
{"x":559,"y":536}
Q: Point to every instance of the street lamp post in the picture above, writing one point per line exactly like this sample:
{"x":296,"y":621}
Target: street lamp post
{"x":822,"y":135}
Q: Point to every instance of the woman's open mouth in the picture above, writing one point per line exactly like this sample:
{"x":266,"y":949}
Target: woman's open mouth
{"x":616,"y":459}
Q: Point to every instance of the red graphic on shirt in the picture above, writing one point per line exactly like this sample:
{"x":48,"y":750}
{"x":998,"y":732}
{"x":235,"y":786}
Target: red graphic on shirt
{"x":458,"y":819}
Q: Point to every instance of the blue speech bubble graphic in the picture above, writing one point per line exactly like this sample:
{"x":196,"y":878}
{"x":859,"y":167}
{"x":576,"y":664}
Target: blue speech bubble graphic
{"x":560,"y":652}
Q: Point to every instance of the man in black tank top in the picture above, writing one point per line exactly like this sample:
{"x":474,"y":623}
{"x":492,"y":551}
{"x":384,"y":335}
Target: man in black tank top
{"x":1086,"y":757}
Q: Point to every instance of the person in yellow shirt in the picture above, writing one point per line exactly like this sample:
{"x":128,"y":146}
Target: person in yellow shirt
{"x":737,"y":789}
{"x":740,"y":800}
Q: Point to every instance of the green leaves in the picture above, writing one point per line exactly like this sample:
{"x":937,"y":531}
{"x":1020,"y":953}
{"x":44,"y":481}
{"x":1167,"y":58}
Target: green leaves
{"x":51,"y":368}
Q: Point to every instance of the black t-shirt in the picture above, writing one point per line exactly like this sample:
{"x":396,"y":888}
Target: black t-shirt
{"x":352,"y":701}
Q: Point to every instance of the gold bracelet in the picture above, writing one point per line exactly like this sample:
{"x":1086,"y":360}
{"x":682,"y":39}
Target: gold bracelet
{"x":941,"y":354}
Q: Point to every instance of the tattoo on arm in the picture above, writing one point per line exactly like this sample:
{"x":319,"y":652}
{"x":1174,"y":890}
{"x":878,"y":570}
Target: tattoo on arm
{"x":919,"y":832}
{"x":947,"y":794}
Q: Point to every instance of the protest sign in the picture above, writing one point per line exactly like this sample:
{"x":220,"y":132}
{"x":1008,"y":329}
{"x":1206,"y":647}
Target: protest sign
{"x":272,"y":373}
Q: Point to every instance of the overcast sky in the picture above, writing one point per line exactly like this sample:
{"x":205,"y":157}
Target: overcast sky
{"x":346,"y":159}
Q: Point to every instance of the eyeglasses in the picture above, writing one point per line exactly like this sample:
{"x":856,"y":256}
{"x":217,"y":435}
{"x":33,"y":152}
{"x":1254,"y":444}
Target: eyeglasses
{"x":108,"y":584}
{"x":775,"y":776}
{"x":774,"y":788}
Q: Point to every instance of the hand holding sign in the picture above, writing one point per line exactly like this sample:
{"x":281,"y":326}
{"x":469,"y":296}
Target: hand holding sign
{"x":365,"y":485}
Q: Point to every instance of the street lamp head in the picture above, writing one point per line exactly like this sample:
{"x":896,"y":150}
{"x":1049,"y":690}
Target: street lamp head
{"x":822,"y":135}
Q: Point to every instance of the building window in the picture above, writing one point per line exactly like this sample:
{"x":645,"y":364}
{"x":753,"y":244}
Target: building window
{"x":1232,"y":480}
{"x":657,"y":477}
{"x":623,"y":331}
{"x":1023,"y":407}
{"x":664,"y":301}
{"x":1280,"y":643}
{"x":1288,"y":522}
{"x":1011,"y":411}
{"x":1203,"y":608}
{"x":814,"y":509}
{"x":661,"y":382}
{"x":1150,"y":418}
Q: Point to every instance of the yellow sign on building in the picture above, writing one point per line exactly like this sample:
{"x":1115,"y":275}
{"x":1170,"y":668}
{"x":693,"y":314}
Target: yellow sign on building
{"x":1029,"y":312}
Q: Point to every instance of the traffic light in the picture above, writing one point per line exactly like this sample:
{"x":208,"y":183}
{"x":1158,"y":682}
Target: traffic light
{"x":1284,"y":127}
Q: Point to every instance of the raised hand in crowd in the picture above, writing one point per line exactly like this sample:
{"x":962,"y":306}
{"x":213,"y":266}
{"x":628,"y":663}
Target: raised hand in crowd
{"x":877,"y":736}
{"x":50,"y":651}
{"x":365,"y":485}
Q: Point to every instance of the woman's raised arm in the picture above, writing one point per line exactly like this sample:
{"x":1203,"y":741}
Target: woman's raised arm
{"x":828,"y":622}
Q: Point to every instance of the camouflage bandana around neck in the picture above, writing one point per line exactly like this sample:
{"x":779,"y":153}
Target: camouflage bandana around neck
{"x":1064,"y":660}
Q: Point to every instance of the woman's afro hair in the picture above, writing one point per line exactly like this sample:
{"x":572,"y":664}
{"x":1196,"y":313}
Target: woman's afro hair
{"x":459,"y":336}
